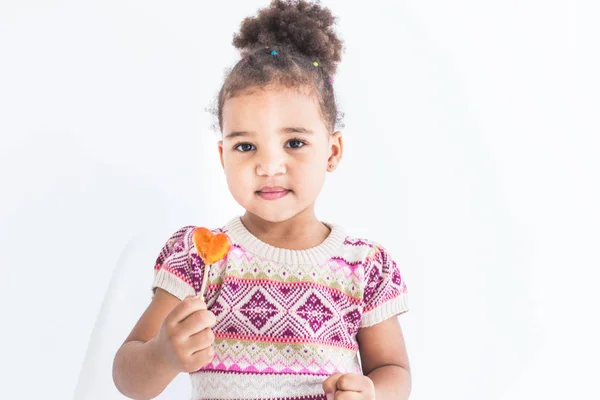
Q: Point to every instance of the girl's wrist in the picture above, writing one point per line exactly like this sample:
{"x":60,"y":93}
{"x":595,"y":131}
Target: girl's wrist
{"x":157,"y":356}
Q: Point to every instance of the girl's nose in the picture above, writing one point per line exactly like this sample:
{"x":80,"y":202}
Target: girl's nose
{"x":270,"y":166}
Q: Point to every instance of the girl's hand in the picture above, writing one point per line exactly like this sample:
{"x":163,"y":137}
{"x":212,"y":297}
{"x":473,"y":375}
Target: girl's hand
{"x":349,"y":387}
{"x":184,"y":341}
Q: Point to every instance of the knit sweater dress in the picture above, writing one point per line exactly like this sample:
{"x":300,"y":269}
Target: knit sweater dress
{"x":286,"y":319}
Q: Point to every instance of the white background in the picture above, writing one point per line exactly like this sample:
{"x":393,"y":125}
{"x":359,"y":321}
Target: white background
{"x":471,"y":153}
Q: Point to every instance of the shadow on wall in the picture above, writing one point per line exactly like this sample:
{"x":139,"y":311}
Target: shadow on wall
{"x":70,"y":213}
{"x":92,"y":214}
{"x":125,"y":300}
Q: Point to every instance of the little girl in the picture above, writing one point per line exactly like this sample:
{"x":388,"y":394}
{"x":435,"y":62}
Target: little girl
{"x":298,"y":308}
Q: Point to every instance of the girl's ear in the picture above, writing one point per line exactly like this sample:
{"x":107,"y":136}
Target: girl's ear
{"x":336,"y":148}
{"x":220,"y":143}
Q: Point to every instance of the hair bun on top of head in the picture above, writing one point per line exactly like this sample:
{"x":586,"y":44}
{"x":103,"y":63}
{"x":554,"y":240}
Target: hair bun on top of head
{"x":301,"y":26}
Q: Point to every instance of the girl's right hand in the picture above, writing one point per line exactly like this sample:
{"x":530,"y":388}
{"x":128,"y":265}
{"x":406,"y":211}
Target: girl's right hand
{"x":184,"y":341}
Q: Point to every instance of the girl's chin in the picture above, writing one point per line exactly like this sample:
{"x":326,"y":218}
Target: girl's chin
{"x":273,"y":211}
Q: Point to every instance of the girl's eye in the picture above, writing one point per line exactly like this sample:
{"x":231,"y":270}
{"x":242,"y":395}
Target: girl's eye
{"x":297,"y":143}
{"x":244,"y":147}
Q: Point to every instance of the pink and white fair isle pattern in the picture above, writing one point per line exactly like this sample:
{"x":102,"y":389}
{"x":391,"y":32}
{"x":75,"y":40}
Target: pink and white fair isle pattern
{"x":281,"y":328}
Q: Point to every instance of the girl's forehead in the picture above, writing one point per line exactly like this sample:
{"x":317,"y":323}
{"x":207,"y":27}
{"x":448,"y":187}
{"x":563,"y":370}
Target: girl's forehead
{"x":264,"y":107}
{"x":271,"y":97}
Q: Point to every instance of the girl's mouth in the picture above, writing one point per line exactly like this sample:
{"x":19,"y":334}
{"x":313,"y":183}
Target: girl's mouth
{"x":273,"y":195}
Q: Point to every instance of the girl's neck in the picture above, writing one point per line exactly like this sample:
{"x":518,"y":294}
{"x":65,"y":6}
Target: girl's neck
{"x":302,"y":231}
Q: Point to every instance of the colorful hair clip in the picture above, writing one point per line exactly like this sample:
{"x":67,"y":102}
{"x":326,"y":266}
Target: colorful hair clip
{"x":274,"y":53}
{"x":246,"y":59}
{"x":316,"y":64}
{"x":330,"y":80}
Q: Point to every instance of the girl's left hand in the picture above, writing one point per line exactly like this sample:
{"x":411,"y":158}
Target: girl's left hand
{"x":349,"y":387}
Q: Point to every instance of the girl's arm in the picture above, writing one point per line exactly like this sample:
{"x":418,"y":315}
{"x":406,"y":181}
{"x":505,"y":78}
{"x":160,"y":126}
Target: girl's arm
{"x":384,"y":359}
{"x":138,"y":371}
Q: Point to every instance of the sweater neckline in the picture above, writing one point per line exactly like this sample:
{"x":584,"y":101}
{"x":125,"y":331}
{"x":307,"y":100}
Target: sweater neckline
{"x":314,"y":255}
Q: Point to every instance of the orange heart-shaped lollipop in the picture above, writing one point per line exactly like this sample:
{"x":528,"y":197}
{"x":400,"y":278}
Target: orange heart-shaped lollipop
{"x":209,"y":246}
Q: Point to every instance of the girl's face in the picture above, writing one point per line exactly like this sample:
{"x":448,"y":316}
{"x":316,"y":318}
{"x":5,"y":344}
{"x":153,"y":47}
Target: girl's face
{"x":276,"y":150}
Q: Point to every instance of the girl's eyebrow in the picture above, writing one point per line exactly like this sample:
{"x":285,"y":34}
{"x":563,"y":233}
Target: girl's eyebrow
{"x":286,"y":130}
{"x":235,"y":134}
{"x":296,"y":129}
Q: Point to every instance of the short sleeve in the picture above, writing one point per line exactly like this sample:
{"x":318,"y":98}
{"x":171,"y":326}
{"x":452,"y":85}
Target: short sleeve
{"x":385,"y":292}
{"x":173,"y":270}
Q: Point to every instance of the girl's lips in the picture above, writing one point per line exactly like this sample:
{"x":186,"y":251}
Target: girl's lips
{"x":265,"y":189}
{"x":273,"y":195}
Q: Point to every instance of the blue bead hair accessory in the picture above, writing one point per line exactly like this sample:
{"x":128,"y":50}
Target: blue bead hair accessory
{"x":274,"y":53}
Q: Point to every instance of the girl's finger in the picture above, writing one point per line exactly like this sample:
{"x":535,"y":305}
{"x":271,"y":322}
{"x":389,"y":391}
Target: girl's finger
{"x":200,"y":341}
{"x":351,"y":382}
{"x":196,"y":322}
{"x":186,"y":307}
{"x":329,"y":385}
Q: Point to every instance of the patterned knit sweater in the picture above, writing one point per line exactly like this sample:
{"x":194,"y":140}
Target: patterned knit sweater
{"x":286,"y":319}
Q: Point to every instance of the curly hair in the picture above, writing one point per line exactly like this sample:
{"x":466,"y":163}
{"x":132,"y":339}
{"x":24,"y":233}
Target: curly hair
{"x":291,"y":43}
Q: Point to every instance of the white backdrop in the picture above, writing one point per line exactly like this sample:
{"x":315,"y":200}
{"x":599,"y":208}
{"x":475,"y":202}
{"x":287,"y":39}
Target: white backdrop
{"x":470,"y":137}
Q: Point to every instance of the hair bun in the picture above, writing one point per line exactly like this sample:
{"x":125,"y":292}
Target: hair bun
{"x":298,"y":25}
